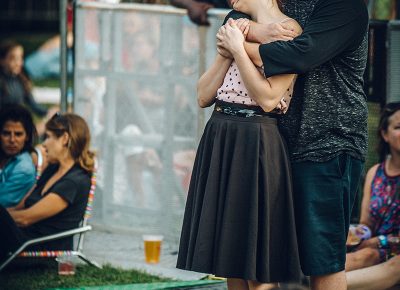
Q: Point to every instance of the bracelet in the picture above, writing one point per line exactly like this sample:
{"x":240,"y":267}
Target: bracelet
{"x":383,"y":242}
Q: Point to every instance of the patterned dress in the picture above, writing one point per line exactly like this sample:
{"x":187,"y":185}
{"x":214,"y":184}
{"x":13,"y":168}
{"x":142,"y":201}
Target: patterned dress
{"x":385,"y":203}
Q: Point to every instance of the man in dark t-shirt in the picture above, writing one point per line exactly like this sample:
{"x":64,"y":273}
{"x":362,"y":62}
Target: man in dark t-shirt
{"x":325,"y":126}
{"x":197,"y":10}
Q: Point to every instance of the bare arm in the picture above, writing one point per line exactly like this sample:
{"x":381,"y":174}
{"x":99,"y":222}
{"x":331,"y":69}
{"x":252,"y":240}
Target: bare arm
{"x":211,"y":80}
{"x":49,"y":206}
{"x":252,"y":51}
{"x":268,"y":32}
{"x":265,"y":33}
{"x":364,"y":216}
{"x":266,"y":92}
{"x":197,"y":11}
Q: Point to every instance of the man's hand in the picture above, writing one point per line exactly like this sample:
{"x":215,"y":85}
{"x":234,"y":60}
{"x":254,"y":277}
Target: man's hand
{"x":243,"y":24}
{"x":266,"y":33}
{"x":197,"y":12}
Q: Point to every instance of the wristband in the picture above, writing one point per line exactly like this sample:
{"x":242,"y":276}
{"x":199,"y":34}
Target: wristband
{"x":383,"y":242}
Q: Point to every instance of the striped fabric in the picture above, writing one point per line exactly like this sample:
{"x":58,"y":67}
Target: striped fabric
{"x":46,"y":254}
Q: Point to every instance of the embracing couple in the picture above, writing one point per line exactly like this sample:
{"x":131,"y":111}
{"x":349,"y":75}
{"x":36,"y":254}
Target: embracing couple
{"x":259,"y":209}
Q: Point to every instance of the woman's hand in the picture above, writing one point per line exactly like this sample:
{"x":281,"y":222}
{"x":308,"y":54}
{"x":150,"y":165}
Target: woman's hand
{"x":370,"y":243}
{"x":244,"y":25}
{"x":282,"y":107}
{"x":231,"y":38}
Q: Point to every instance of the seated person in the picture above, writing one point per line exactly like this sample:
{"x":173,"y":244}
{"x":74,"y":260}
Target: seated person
{"x":381,"y":202}
{"x":58,"y":201}
{"x":15,"y":86}
{"x":17,"y":169}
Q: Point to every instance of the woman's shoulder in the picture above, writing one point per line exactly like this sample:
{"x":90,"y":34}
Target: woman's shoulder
{"x":25,"y":163}
{"x":78,"y":175}
{"x":372,"y":171}
{"x":293,"y":25}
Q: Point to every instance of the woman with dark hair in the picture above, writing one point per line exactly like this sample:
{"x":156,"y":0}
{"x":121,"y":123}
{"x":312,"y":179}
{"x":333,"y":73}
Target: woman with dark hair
{"x":15,"y":86}
{"x":380,"y":207}
{"x":17,"y":138}
{"x":58,"y":201}
{"x":239,"y":217}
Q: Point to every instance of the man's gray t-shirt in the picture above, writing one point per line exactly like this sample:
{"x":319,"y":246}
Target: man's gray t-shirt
{"x":328,"y":112}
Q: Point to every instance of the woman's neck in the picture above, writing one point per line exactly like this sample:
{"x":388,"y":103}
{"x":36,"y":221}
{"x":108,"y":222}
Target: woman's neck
{"x":267,"y":11}
{"x":65,"y":164}
{"x":393,"y":164}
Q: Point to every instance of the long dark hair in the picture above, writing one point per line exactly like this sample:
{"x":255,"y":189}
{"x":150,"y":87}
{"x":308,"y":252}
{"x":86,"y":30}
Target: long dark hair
{"x":383,"y":147}
{"x":79,"y":137}
{"x":18,"y":113}
{"x":5,"y":47}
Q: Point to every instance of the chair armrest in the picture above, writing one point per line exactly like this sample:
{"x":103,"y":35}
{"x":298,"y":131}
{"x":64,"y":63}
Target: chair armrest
{"x":54,"y":237}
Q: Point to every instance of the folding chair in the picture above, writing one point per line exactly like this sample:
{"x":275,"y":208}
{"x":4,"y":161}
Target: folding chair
{"x":84,"y":227}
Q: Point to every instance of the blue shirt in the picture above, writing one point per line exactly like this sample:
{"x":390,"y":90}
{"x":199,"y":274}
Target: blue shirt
{"x":16,"y":179}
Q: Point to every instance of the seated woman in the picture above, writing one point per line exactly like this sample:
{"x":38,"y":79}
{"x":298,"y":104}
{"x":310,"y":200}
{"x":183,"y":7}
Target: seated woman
{"x":15,"y":85}
{"x":17,"y":169}
{"x":58,"y":201}
{"x":381,"y":202}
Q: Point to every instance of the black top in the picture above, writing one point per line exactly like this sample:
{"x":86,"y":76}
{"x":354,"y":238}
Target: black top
{"x":13,"y":92}
{"x":328,"y":113}
{"x":74,"y":188}
{"x":223,"y":4}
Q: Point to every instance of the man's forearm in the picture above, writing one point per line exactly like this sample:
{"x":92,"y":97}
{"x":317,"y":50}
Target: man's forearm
{"x":253,"y":53}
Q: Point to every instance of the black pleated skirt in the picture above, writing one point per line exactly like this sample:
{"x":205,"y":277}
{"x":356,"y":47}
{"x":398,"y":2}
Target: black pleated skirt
{"x":239,"y":220}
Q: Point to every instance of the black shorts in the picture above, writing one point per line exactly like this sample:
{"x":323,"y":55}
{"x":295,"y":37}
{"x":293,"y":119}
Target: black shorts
{"x":324,"y":194}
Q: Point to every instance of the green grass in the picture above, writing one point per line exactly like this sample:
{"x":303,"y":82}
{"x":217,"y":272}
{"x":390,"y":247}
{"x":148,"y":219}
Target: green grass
{"x":46,"y":276}
{"x":49,"y":82}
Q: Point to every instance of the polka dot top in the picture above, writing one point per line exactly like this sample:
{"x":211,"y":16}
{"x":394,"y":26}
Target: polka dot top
{"x":233,"y":89}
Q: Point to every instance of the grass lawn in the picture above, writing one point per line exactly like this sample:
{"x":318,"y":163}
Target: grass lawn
{"x":46,"y":276}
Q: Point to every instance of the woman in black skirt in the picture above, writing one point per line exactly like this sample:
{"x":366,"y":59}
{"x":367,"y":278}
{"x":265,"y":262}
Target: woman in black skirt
{"x":239,"y":220}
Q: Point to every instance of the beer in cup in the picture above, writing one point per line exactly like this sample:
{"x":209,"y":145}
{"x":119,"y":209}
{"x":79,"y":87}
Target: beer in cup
{"x":152,"y":248}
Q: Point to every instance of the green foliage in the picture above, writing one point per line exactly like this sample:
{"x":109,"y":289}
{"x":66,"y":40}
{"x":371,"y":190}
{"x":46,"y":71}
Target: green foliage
{"x":46,"y":276}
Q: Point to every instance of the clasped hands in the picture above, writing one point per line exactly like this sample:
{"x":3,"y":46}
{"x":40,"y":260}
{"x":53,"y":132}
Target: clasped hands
{"x":231,"y":38}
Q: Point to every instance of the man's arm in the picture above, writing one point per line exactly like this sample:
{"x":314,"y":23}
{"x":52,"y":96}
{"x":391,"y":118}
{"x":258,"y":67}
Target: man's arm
{"x":197,"y":11}
{"x":333,"y":27}
{"x":265,"y":33}
{"x":266,"y":92}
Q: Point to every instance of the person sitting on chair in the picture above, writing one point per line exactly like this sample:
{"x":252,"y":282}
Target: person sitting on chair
{"x":17,"y":168}
{"x":381,"y":201}
{"x":58,"y":201}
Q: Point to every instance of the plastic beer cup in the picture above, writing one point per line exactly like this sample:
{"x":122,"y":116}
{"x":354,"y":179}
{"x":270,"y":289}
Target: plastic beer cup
{"x":66,"y":266}
{"x":152,"y":248}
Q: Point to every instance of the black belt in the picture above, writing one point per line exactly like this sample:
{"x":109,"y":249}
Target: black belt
{"x":240,"y":110}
